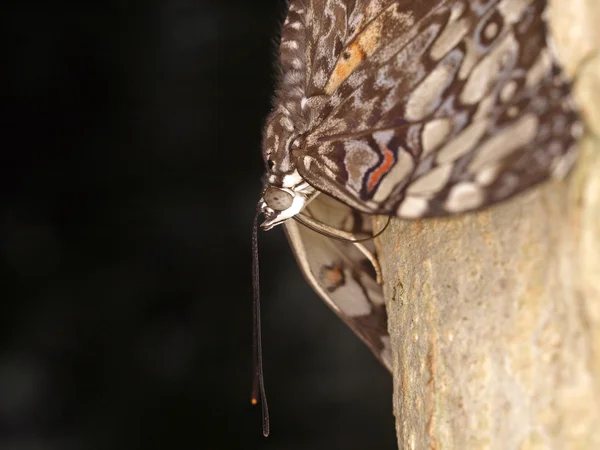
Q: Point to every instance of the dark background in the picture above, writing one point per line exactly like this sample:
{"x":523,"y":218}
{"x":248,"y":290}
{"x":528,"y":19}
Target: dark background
{"x":129,"y":174}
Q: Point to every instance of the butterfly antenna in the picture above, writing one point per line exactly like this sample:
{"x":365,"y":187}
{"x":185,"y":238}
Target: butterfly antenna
{"x":258,"y":384}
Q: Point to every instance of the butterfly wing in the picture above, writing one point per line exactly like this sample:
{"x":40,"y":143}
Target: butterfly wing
{"x":429,"y":108}
{"x":341,"y":274}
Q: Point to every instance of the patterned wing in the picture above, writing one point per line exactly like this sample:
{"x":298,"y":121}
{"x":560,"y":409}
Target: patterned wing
{"x":341,"y":274}
{"x":426,"y":108}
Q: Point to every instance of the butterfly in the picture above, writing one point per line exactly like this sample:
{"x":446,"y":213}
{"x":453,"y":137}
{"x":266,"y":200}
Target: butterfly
{"x":409,"y":109}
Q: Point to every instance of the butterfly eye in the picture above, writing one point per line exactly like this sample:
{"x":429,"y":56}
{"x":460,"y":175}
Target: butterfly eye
{"x":270,"y":163}
{"x":277,"y":199}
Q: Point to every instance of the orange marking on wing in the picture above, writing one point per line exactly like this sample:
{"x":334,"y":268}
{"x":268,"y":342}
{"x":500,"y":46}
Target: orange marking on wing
{"x":349,"y":61}
{"x":364,"y":45}
{"x":334,"y":276}
{"x":369,"y":39}
{"x":386,"y":165}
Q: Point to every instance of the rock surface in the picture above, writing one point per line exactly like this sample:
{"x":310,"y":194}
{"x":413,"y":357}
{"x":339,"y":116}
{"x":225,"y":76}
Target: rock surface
{"x":494,"y":317}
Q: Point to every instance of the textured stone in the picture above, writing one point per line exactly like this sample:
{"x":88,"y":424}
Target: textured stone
{"x":495,"y":316}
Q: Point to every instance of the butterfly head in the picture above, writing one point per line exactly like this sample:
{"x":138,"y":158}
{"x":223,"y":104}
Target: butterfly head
{"x":283,"y":198}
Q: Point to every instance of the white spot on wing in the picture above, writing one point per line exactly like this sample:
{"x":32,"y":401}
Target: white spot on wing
{"x":427,"y":95}
{"x":487,"y":175}
{"x":457,"y":10}
{"x":448,"y":39}
{"x":291,"y":180}
{"x":412,"y":207}
{"x":463,"y":143}
{"x":512,"y":112}
{"x":434,"y":133}
{"x":508,"y":90}
{"x":383,"y":137}
{"x":513,"y":9}
{"x":562,"y":165}
{"x":319,"y":78}
{"x":464,"y":196}
{"x":353,"y":303}
{"x":432,"y":181}
{"x":577,"y":130}
{"x":490,"y":30}
{"x":540,"y":69}
{"x":508,"y":140}
{"x":487,"y":70}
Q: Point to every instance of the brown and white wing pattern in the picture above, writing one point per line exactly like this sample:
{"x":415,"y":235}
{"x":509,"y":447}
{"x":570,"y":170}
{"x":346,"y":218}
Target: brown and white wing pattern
{"x":342,"y":276}
{"x":422,"y":108}
{"x":409,"y":108}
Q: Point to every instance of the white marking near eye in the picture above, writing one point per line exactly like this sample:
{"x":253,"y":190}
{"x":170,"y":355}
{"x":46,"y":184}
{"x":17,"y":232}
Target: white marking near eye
{"x":432,"y":182}
{"x":464,"y":196}
{"x":289,"y":181}
{"x":296,"y":25}
{"x":412,"y":207}
{"x":434,"y":133}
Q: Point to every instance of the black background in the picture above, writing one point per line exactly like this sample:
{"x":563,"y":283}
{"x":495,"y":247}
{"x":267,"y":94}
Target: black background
{"x":129,"y":175}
